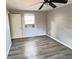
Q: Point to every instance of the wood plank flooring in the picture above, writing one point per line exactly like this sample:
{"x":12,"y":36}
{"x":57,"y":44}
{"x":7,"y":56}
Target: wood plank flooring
{"x":41,"y":47}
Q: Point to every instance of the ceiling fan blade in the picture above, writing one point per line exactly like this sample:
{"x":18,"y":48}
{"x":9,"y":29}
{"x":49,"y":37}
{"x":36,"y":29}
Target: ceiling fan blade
{"x":52,"y":5}
{"x":41,"y":6}
{"x":59,"y":1}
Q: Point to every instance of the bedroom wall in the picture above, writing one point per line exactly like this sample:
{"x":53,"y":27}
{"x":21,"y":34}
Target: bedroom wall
{"x":8,"y":37}
{"x":59,"y":25}
{"x":40,"y":24}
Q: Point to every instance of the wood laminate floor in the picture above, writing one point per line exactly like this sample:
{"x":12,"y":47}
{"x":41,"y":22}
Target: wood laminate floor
{"x":41,"y":47}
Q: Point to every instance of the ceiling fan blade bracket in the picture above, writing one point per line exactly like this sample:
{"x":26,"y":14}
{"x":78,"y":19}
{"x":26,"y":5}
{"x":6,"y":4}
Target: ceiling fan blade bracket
{"x":52,"y":5}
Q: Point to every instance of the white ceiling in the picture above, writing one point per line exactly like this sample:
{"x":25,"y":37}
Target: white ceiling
{"x":30,"y":5}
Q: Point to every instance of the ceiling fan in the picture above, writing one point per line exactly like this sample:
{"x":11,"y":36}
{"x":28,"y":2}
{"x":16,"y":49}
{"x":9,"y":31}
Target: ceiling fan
{"x":51,"y":4}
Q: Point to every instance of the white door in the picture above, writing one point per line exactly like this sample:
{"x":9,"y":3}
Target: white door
{"x":16,"y":25}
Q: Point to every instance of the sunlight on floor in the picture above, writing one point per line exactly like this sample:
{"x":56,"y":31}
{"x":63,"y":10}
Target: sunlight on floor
{"x":31,"y":50}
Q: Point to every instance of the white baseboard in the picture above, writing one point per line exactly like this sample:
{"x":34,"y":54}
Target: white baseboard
{"x":35,"y":35}
{"x":60,"y":41}
{"x":30,"y":36}
{"x":8,"y":51}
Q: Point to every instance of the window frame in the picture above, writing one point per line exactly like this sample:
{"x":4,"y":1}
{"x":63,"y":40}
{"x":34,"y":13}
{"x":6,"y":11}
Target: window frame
{"x":32,"y":24}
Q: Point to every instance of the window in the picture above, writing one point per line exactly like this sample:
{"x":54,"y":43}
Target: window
{"x":29,"y":20}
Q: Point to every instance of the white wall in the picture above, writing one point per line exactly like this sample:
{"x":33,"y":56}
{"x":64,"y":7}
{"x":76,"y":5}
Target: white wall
{"x":40,"y":25}
{"x":8,"y":37}
{"x":59,"y":24}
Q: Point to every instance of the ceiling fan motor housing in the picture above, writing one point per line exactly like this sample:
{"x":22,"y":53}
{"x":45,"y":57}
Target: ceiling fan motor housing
{"x":46,"y":1}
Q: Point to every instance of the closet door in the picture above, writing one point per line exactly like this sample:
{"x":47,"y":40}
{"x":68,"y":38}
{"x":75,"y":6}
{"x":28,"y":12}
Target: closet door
{"x":16,"y":25}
